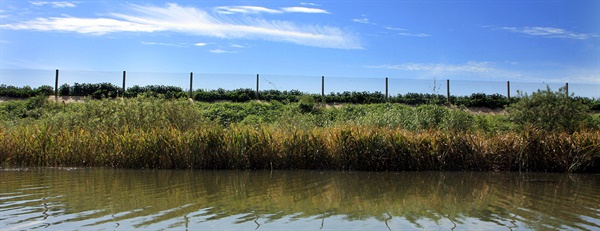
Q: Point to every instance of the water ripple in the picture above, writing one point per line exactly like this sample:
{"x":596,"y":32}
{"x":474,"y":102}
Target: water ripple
{"x":113,"y":199}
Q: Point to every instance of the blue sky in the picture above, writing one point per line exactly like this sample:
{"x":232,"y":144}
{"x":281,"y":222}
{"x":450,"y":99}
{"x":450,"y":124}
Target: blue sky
{"x":521,"y":41}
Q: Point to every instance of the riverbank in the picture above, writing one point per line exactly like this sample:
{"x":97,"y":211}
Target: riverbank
{"x":160,"y":133}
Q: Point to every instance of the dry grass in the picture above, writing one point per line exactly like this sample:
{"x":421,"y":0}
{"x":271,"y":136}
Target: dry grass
{"x":341,"y":148}
{"x":147,"y":133}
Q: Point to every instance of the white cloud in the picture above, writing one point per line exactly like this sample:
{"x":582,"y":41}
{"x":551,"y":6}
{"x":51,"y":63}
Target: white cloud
{"x":165,"y":44}
{"x":220,"y":51}
{"x":361,"y":20}
{"x":190,"y":20}
{"x":404,"y":32}
{"x":549,"y":32}
{"x":476,"y":67}
{"x":260,"y":10}
{"x":54,"y":4}
{"x":308,"y":4}
{"x":245,"y":10}
{"x":200,"y":44}
{"x":414,"y":34}
{"x":489,"y":70}
{"x":233,"y":45}
{"x":298,"y":9}
{"x":394,"y":28}
{"x":97,"y":26}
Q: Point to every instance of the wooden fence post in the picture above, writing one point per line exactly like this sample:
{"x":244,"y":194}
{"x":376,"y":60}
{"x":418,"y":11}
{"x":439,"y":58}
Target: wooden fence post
{"x":191,"y":85}
{"x":323,"y":87}
{"x":508,"y":91}
{"x":56,"y":87}
{"x":448,"y":90}
{"x":257,"y":90}
{"x":124,"y":77}
{"x":386,"y":89}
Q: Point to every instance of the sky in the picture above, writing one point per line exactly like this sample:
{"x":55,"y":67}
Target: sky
{"x":535,"y":41}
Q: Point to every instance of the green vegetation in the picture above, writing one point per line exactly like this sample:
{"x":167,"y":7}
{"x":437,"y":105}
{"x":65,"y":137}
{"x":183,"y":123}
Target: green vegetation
{"x":25,"y":92}
{"x":552,"y":111}
{"x":108,"y":90}
{"x":155,"y":132}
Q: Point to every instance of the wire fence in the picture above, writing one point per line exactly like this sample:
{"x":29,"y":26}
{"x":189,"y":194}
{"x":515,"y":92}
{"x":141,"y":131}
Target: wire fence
{"x":306,"y":84}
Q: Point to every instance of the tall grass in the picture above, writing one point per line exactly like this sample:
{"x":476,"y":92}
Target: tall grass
{"x":160,"y":133}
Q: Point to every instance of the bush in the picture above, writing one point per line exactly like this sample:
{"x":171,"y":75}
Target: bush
{"x":45,"y":90}
{"x":482,"y":100}
{"x":26,"y":91}
{"x":306,"y":103}
{"x":64,"y":90}
{"x":16,"y":92}
{"x":548,"y":110}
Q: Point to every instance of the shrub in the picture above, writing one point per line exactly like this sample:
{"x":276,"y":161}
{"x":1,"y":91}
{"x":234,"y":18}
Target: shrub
{"x":482,"y":100}
{"x":549,"y":110}
{"x":306,"y":103}
{"x":64,"y":90}
{"x":45,"y":90}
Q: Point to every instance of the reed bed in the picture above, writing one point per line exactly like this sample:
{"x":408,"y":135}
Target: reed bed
{"x":178,"y":134}
{"x":341,"y":148}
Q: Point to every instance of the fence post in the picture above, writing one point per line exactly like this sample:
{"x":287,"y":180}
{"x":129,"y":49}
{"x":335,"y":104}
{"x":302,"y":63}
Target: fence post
{"x":386,"y":89}
{"x":567,"y":89}
{"x":191,"y":85}
{"x":508,"y":91}
{"x":124,"y":77}
{"x":257,"y":96}
{"x":56,"y":87}
{"x":323,"y":87}
{"x":448,"y":90}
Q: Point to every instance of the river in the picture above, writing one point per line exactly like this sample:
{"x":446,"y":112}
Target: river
{"x":120,"y":199}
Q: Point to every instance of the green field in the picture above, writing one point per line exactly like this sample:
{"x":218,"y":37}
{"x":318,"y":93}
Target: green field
{"x":542,"y":132}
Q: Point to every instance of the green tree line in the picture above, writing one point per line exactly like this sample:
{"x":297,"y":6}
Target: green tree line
{"x":108,"y":90}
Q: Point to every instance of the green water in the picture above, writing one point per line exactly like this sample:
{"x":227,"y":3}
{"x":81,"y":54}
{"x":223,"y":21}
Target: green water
{"x":116,"y":199}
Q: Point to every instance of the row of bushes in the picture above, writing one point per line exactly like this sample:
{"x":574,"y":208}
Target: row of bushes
{"x":108,"y":90}
{"x":25,"y":92}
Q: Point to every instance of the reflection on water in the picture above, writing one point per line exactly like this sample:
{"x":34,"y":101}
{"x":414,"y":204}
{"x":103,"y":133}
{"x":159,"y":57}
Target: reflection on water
{"x":114,"y":199}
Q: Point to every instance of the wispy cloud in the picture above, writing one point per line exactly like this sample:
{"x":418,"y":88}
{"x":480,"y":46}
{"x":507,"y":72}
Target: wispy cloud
{"x":54,"y":4}
{"x":414,"y":34}
{"x":165,"y":44}
{"x":490,"y":70}
{"x":474,"y":70}
{"x":362,"y":20}
{"x":394,"y":28}
{"x":308,"y":4}
{"x":549,"y":32}
{"x":200,"y":44}
{"x":475,"y":67}
{"x":405,"y":32}
{"x":260,"y":10}
{"x":194,"y":21}
{"x":235,"y":45}
{"x":221,"y":51}
{"x":245,"y":10}
{"x":298,"y":9}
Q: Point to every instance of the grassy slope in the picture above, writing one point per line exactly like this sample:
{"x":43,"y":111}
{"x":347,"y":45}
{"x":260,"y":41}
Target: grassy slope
{"x":159,"y":133}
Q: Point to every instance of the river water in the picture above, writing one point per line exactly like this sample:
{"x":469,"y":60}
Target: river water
{"x":117,"y":199}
